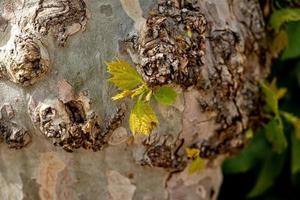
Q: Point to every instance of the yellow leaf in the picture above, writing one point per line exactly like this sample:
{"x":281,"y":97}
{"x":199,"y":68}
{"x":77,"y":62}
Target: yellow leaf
{"x":189,"y":32}
{"x":279,"y":43}
{"x":138,"y":91}
{"x":121,"y":95}
{"x":142,"y":118}
{"x":192,"y":152}
{"x":124,"y":75}
{"x":280,"y":92}
{"x":270,"y":98}
{"x":148,"y":96}
{"x":196,"y":165}
{"x":249,"y":134}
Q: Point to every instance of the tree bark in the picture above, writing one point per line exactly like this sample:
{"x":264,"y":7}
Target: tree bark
{"x":62,"y":135}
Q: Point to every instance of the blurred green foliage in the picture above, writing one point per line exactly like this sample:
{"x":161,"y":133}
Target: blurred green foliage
{"x":269,"y":167}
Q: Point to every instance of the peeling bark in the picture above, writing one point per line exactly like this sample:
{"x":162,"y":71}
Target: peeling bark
{"x":212,"y":52}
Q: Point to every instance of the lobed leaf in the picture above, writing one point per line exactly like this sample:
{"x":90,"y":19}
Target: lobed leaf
{"x":124,"y":75}
{"x":142,"y":118}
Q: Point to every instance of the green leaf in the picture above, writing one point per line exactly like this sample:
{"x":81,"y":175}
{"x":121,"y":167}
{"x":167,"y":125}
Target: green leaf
{"x":279,"y":17}
{"x":249,"y":157}
{"x":292,"y":50}
{"x":196,"y":165}
{"x":142,"y":118}
{"x":275,"y":134}
{"x":295,"y":121}
{"x":165,"y":95}
{"x":274,"y":129}
{"x":295,"y":150}
{"x":270,"y":98}
{"x":272,"y":167}
{"x":124,"y":75}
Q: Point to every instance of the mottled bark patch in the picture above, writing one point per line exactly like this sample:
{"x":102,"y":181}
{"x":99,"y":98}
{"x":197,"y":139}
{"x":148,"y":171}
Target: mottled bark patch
{"x":106,"y":10}
{"x":48,"y":170}
{"x":30,"y":187}
{"x":119,"y":186}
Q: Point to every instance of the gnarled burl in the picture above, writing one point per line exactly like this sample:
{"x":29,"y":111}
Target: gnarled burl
{"x":24,"y":58}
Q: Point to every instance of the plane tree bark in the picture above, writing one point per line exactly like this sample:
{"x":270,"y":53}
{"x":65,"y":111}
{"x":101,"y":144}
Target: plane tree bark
{"x":62,"y":137}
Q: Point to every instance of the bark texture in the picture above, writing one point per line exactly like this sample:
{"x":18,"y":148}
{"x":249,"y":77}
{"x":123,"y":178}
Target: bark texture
{"x":62,"y":137}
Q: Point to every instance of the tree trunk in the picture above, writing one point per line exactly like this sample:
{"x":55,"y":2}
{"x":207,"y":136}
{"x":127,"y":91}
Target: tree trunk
{"x":62,"y":135}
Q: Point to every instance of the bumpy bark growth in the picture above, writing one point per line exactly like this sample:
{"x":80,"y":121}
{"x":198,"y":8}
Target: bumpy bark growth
{"x":24,"y":59}
{"x":177,"y":45}
{"x":71,"y":123}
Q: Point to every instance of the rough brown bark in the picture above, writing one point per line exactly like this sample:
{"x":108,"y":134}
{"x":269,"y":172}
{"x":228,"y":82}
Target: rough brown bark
{"x":55,"y":97}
